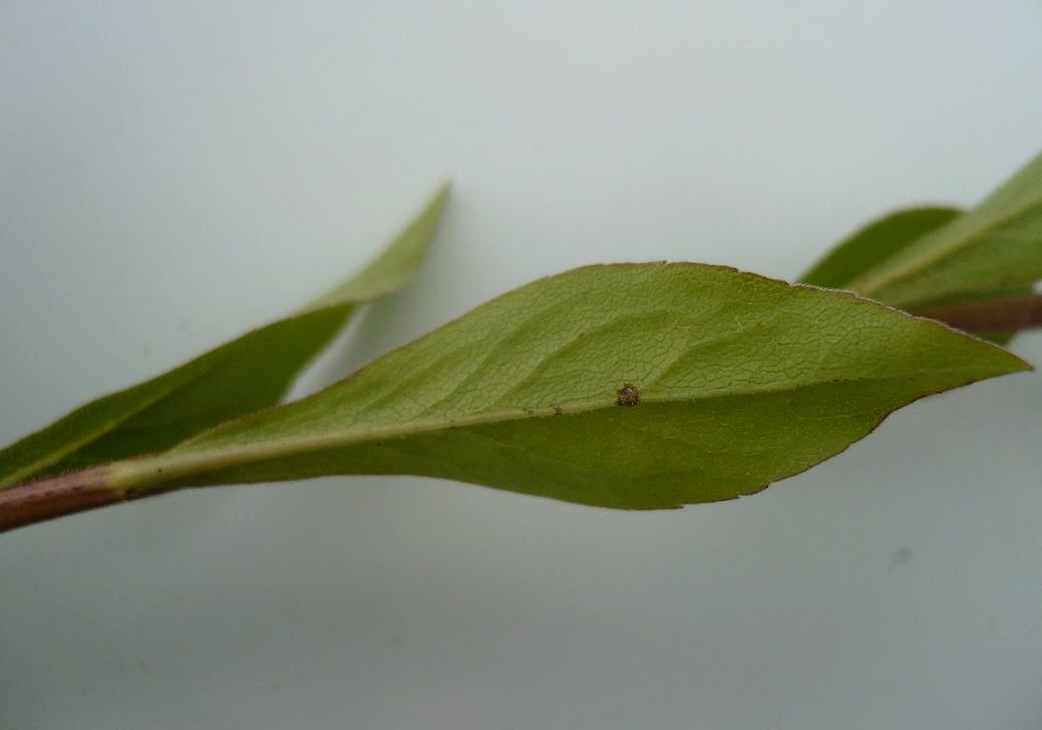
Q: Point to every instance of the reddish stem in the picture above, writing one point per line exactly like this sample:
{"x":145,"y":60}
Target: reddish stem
{"x":989,"y":316}
{"x":26,"y":504}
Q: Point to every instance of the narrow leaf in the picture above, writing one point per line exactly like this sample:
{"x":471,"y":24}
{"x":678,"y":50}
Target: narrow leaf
{"x":633,"y":386}
{"x":239,"y":377}
{"x":996,"y":246}
{"x":879,"y":241}
{"x":874,"y":244}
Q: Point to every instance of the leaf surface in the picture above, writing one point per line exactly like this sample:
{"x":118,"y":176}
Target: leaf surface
{"x":239,"y":377}
{"x":881,"y":240}
{"x":737,"y":381}
{"x":874,"y":244}
{"x":995,"y":246}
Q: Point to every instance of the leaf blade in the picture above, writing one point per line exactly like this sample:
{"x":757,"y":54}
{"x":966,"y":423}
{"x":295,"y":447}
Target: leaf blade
{"x":875,"y":243}
{"x":521,"y":393}
{"x":995,"y":246}
{"x":243,"y":375}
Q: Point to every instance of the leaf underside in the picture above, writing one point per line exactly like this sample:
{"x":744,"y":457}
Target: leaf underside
{"x":742,"y":381}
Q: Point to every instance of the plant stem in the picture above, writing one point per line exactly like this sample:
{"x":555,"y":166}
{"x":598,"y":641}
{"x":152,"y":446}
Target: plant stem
{"x":66,"y":494}
{"x":989,"y":316}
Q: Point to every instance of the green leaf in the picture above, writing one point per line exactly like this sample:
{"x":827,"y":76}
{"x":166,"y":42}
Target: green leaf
{"x":633,"y":386}
{"x":239,"y":377}
{"x":874,"y":244}
{"x":881,"y":240}
{"x":996,"y":246}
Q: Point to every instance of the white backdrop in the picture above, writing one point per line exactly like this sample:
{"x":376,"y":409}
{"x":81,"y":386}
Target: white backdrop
{"x":172,"y":174}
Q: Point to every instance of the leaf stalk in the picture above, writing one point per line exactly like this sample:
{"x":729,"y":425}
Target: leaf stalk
{"x":66,"y":494}
{"x":989,"y":316}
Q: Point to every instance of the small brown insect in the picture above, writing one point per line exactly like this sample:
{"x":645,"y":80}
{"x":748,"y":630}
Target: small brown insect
{"x":627,"y":395}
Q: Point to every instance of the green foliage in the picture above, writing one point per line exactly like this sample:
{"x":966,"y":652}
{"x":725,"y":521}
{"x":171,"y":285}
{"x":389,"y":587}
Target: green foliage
{"x":633,"y":386}
{"x":742,"y":380}
{"x":875,"y":244}
{"x":239,"y":377}
{"x":997,"y":246}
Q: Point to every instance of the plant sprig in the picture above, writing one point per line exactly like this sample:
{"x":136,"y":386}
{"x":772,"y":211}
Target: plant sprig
{"x":730,"y":380}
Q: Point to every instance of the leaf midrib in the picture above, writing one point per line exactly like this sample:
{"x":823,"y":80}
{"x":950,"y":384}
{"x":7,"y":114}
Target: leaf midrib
{"x":181,"y":461}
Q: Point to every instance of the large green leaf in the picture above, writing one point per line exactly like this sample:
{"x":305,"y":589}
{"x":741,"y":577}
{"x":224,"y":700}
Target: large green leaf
{"x":996,"y":246}
{"x":633,"y":386}
{"x":242,"y":376}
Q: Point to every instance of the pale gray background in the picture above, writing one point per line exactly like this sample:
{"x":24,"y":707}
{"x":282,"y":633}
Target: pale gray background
{"x":174,"y":173}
